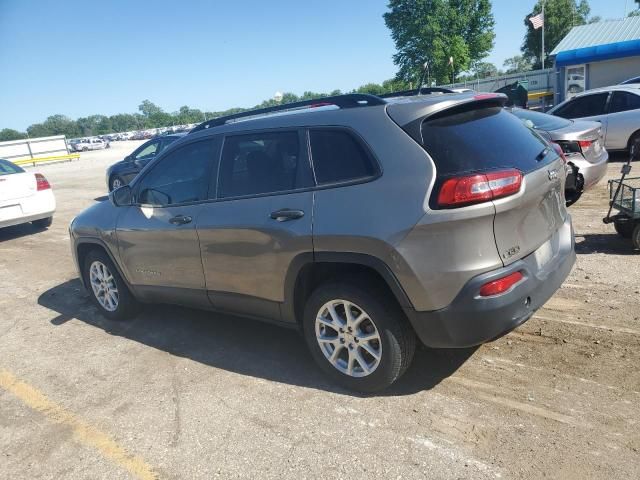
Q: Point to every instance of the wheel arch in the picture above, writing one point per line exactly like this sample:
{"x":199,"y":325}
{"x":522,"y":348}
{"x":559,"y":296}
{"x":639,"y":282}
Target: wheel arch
{"x":308,"y":270}
{"x":84,"y":246}
{"x":635,"y":134}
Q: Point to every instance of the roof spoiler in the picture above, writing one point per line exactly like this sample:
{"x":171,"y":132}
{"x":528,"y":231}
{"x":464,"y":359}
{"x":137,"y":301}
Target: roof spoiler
{"x":410,"y":115}
{"x":351,"y":100}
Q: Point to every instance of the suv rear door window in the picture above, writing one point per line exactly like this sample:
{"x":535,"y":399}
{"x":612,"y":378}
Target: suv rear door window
{"x":584,"y":106}
{"x":338,"y":157}
{"x":269,"y":162}
{"x":480,"y":139}
{"x":182,"y":176}
{"x":624,"y":101}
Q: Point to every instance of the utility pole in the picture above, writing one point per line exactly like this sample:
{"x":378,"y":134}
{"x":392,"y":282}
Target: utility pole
{"x":543,"y":22}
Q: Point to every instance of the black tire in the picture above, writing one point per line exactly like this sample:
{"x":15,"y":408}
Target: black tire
{"x":43,"y":223}
{"x":113,"y":179}
{"x":624,"y":229}
{"x":127,"y":305}
{"x":397,"y":337}
{"x":635,"y":237}
{"x":633,"y":139}
{"x":85,"y":149}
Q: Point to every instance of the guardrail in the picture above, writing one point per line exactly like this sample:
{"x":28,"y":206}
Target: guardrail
{"x":54,"y":159}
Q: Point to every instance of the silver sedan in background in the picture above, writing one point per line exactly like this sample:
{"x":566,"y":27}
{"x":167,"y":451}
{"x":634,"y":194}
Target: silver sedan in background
{"x":616,"y":108}
{"x":582,"y":144}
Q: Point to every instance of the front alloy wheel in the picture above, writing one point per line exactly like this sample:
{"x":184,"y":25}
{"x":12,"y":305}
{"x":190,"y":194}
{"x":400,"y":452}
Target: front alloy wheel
{"x":104,"y":286}
{"x":107,"y":289}
{"x":348,"y":338}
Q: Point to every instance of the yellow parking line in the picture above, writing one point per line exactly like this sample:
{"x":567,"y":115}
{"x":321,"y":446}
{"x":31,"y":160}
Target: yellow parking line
{"x":82,"y":431}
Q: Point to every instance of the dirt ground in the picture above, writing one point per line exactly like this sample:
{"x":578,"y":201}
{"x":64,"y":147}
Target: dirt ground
{"x":178,"y":393}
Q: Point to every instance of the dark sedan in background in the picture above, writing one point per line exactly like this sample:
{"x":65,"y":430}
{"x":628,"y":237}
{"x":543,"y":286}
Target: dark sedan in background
{"x":124,"y":171}
{"x":582,"y":144}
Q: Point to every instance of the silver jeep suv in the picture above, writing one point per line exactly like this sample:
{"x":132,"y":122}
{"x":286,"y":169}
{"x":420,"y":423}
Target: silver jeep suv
{"x":363,"y":222}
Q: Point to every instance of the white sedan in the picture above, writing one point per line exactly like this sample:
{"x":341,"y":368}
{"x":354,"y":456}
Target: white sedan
{"x":24,"y":197}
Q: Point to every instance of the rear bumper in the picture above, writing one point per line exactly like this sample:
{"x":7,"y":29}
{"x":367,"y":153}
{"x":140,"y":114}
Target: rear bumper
{"x":592,"y":173}
{"x":36,"y":207}
{"x":471,"y":320}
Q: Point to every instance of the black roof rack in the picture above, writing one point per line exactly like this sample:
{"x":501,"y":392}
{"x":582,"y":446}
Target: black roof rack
{"x":415,"y":91}
{"x":350,"y":100}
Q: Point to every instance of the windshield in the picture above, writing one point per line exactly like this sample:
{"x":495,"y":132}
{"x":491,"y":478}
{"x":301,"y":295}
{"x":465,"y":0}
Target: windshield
{"x":539,"y":120}
{"x":7,"y":168}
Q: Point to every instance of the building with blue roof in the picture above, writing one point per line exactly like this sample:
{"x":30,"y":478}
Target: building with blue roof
{"x":597,"y":55}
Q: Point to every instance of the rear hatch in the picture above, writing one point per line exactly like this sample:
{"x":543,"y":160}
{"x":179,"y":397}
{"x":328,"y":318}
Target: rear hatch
{"x":474,"y":137}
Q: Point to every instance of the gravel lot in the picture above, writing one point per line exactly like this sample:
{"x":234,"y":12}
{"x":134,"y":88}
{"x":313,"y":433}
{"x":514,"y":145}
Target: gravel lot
{"x":178,"y":393}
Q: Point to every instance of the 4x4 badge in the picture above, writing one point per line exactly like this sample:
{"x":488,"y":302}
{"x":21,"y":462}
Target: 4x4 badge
{"x":553,"y":174}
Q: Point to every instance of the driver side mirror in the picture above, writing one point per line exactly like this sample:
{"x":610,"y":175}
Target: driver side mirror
{"x":121,"y":197}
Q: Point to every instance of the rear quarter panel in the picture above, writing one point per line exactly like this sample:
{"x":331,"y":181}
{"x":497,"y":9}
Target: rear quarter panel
{"x":369,"y":218}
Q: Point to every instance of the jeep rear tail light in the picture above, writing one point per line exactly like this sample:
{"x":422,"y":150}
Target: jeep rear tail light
{"x":496,"y":287}
{"x":42,"y":182}
{"x":468,"y":190}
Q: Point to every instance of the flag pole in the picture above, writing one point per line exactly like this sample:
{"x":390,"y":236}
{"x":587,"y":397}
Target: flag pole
{"x":543,"y":22}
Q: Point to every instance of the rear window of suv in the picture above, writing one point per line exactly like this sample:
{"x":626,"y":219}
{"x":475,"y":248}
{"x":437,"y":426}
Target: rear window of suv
{"x":480,"y":139}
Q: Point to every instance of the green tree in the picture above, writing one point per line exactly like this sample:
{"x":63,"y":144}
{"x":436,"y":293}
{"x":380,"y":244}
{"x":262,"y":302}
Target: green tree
{"x":372,"y":88}
{"x":396,"y":85}
{"x":560,"y":16}
{"x":434,"y":31}
{"x":11,"y":134}
{"x":54,"y":125}
{"x":148,"y":108}
{"x":485,"y":69}
{"x":517,"y":64}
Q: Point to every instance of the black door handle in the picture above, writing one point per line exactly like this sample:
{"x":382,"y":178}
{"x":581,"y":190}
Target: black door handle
{"x":180,"y":220}
{"x":286,"y":214}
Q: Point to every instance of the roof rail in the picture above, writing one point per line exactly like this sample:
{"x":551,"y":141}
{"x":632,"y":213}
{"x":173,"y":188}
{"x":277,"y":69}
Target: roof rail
{"x":415,"y":91}
{"x":350,"y":100}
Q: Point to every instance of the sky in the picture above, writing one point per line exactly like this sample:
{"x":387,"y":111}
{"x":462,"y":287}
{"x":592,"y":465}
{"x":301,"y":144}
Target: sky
{"x":78,"y":57}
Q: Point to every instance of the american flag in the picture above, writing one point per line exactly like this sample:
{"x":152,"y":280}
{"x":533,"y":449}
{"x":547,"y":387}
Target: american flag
{"x":537,"y":21}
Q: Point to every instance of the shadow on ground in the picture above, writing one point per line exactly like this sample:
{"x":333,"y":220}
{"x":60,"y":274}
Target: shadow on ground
{"x":18,"y":231}
{"x":610,"y":243}
{"x":239,"y":345}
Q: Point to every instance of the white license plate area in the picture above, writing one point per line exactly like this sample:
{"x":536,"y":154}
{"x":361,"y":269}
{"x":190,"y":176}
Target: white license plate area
{"x":543,"y":254}
{"x":12,"y":211}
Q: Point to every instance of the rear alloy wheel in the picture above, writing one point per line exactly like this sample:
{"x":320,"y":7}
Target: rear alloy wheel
{"x":357,"y":335}
{"x":106,"y":288}
{"x":116,"y":182}
{"x":348,"y":338}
